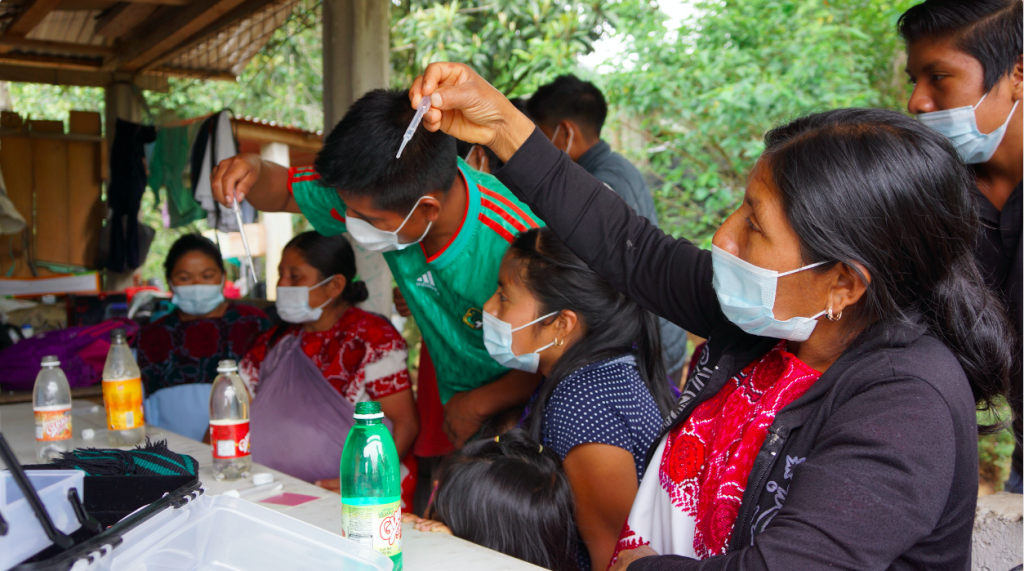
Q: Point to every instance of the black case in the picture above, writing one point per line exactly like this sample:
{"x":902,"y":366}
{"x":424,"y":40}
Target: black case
{"x":108,"y":500}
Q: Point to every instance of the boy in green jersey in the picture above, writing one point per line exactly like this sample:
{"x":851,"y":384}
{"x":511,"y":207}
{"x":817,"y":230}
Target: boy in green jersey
{"x":442,"y":226}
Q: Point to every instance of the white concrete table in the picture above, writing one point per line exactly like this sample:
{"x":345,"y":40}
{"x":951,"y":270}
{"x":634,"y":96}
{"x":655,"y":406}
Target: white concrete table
{"x":421,"y":551}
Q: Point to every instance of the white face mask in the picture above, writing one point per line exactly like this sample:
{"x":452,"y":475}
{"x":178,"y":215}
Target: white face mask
{"x":555,"y":134}
{"x":747,"y":295}
{"x":293,"y":303}
{"x":498,"y":340}
{"x":378,"y":240}
{"x":198,"y":299}
{"x":960,"y":125}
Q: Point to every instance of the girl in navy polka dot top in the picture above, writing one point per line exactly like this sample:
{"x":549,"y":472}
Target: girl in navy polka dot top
{"x":604,"y":393}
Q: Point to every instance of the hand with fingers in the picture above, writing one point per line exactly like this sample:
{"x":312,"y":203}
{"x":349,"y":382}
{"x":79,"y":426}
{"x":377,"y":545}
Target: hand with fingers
{"x":468,"y":108}
{"x":233,"y":178}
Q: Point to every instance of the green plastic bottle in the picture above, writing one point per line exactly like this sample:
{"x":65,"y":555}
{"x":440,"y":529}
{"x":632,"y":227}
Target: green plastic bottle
{"x":371,"y":502}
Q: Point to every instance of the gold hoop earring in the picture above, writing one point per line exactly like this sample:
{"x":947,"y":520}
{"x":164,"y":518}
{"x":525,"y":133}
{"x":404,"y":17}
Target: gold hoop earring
{"x":831,"y":317}
{"x":559,"y":342}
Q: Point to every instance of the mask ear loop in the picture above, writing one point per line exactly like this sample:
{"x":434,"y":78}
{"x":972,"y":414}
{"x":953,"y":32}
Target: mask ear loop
{"x":572,"y":133}
{"x":329,"y":300}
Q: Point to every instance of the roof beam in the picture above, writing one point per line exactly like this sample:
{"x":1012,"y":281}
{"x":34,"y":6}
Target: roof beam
{"x":212,"y":30}
{"x":162,"y":34}
{"x":45,"y":45}
{"x":104,"y":4}
{"x":32,"y":12}
{"x":55,"y":76}
{"x":122,"y":18}
{"x":56,"y":62}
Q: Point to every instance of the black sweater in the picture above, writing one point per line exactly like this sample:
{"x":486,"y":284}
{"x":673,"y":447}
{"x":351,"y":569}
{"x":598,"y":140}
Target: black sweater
{"x":874,"y":467}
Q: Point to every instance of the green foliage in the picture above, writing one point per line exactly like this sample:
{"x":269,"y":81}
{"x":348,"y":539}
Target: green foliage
{"x":53,"y":102}
{"x":515,"y":45}
{"x":708,"y":91}
{"x":995,"y":450}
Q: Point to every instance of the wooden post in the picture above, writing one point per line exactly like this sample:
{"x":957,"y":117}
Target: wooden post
{"x":357,"y":54}
{"x":277,"y":226}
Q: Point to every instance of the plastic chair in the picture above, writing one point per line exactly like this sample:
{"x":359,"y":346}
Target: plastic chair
{"x":183,"y":409}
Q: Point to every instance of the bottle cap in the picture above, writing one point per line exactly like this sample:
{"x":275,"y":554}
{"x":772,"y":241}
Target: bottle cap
{"x":262,"y":478}
{"x":368,"y":410}
{"x":227,"y":366}
{"x":51,"y":361}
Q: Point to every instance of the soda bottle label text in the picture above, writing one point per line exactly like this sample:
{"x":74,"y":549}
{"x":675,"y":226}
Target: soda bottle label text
{"x":230,"y":438}
{"x":53,"y":422}
{"x":377,"y":526}
{"x":123,"y":401}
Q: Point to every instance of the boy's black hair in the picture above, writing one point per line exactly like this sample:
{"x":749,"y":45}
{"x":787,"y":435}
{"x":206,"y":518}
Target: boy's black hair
{"x":191,"y":243}
{"x":569,"y":97}
{"x":987,"y":30}
{"x":511,"y":495}
{"x":358,"y":156}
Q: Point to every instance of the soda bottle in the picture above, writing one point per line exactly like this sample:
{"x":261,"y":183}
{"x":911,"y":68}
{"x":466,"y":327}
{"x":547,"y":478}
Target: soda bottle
{"x":51,"y":402}
{"x":122,"y":394}
{"x":371,"y":503}
{"x":229,"y":424}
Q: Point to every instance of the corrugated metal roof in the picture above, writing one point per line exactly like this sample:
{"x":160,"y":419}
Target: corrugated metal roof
{"x":223,"y":52}
{"x":232,"y":47}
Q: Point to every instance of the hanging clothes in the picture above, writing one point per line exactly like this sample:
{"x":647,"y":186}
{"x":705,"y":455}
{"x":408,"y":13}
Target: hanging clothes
{"x":214,"y":143}
{"x":124,"y":193}
{"x":167,"y":170}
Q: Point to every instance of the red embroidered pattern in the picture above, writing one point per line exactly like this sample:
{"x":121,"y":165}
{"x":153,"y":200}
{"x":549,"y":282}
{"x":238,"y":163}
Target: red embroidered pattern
{"x":707,"y":460}
{"x":342,"y":354}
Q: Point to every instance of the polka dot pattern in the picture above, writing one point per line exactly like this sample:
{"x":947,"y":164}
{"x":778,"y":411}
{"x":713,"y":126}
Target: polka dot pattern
{"x":605,"y":403}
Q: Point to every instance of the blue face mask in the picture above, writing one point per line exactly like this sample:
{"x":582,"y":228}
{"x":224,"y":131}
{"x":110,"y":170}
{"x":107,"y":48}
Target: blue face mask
{"x":198,"y":299}
{"x":747,"y":296}
{"x":961,"y":127}
{"x":498,"y":340}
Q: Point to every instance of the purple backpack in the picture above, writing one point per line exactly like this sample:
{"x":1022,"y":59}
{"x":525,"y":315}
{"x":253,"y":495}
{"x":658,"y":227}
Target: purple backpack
{"x":82,"y":352}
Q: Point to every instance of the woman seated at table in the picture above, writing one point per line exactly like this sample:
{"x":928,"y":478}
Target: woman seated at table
{"x":184,"y":346}
{"x":309,"y":372}
{"x":604,"y":393}
{"x":831,"y":422}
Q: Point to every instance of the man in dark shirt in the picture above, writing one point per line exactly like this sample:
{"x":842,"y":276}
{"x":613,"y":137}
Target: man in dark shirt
{"x":968,"y":53}
{"x":571,"y":112}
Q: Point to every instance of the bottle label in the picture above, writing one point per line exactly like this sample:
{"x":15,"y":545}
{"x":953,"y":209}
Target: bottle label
{"x":53,"y":422}
{"x":377,"y":526}
{"x":123,"y":401}
{"x":229,"y":438}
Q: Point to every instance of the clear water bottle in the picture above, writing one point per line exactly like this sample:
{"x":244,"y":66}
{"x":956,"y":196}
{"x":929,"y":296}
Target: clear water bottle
{"x":371,"y":502}
{"x":229,"y":424}
{"x":51,"y":402}
{"x":122,"y":394}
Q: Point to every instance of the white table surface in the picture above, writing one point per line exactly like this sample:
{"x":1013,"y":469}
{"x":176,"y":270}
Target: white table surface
{"x":421,"y":551}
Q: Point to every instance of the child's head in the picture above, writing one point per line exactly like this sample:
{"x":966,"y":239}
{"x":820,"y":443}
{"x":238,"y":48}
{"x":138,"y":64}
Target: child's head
{"x":580,"y":317}
{"x":511,"y":495}
{"x":358,"y":161}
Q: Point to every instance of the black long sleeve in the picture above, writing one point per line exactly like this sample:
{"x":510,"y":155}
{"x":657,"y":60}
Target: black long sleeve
{"x":668,"y":276}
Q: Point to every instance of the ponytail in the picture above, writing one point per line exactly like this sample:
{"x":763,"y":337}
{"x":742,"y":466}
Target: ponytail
{"x":613,"y":325}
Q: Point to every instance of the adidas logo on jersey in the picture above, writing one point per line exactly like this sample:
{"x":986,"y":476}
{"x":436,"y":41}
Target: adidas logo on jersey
{"x":427,"y":281}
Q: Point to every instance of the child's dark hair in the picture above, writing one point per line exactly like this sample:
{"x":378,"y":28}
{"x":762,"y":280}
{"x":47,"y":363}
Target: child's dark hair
{"x":569,"y":97}
{"x":987,"y":30}
{"x":191,"y":243}
{"x":358,"y":156}
{"x":511,"y":495}
{"x":613,"y":324}
{"x":331,"y":255}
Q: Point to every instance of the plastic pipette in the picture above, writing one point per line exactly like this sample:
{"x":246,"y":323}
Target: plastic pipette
{"x":245,"y":241}
{"x":420,"y":112}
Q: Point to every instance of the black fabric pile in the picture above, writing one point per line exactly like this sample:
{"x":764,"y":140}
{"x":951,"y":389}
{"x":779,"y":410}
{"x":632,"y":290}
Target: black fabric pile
{"x":153,"y":459}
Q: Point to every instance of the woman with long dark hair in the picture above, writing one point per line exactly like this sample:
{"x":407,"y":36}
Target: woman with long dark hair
{"x":604,"y":392}
{"x":309,"y":371}
{"x":830,"y":421}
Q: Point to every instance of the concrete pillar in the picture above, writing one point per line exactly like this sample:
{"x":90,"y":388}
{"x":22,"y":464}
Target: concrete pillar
{"x":119,"y":103}
{"x":277,"y":226}
{"x":356,"y":53}
{"x":356,"y":59}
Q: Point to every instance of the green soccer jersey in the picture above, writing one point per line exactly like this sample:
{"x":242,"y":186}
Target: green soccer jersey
{"x":447,"y":291}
